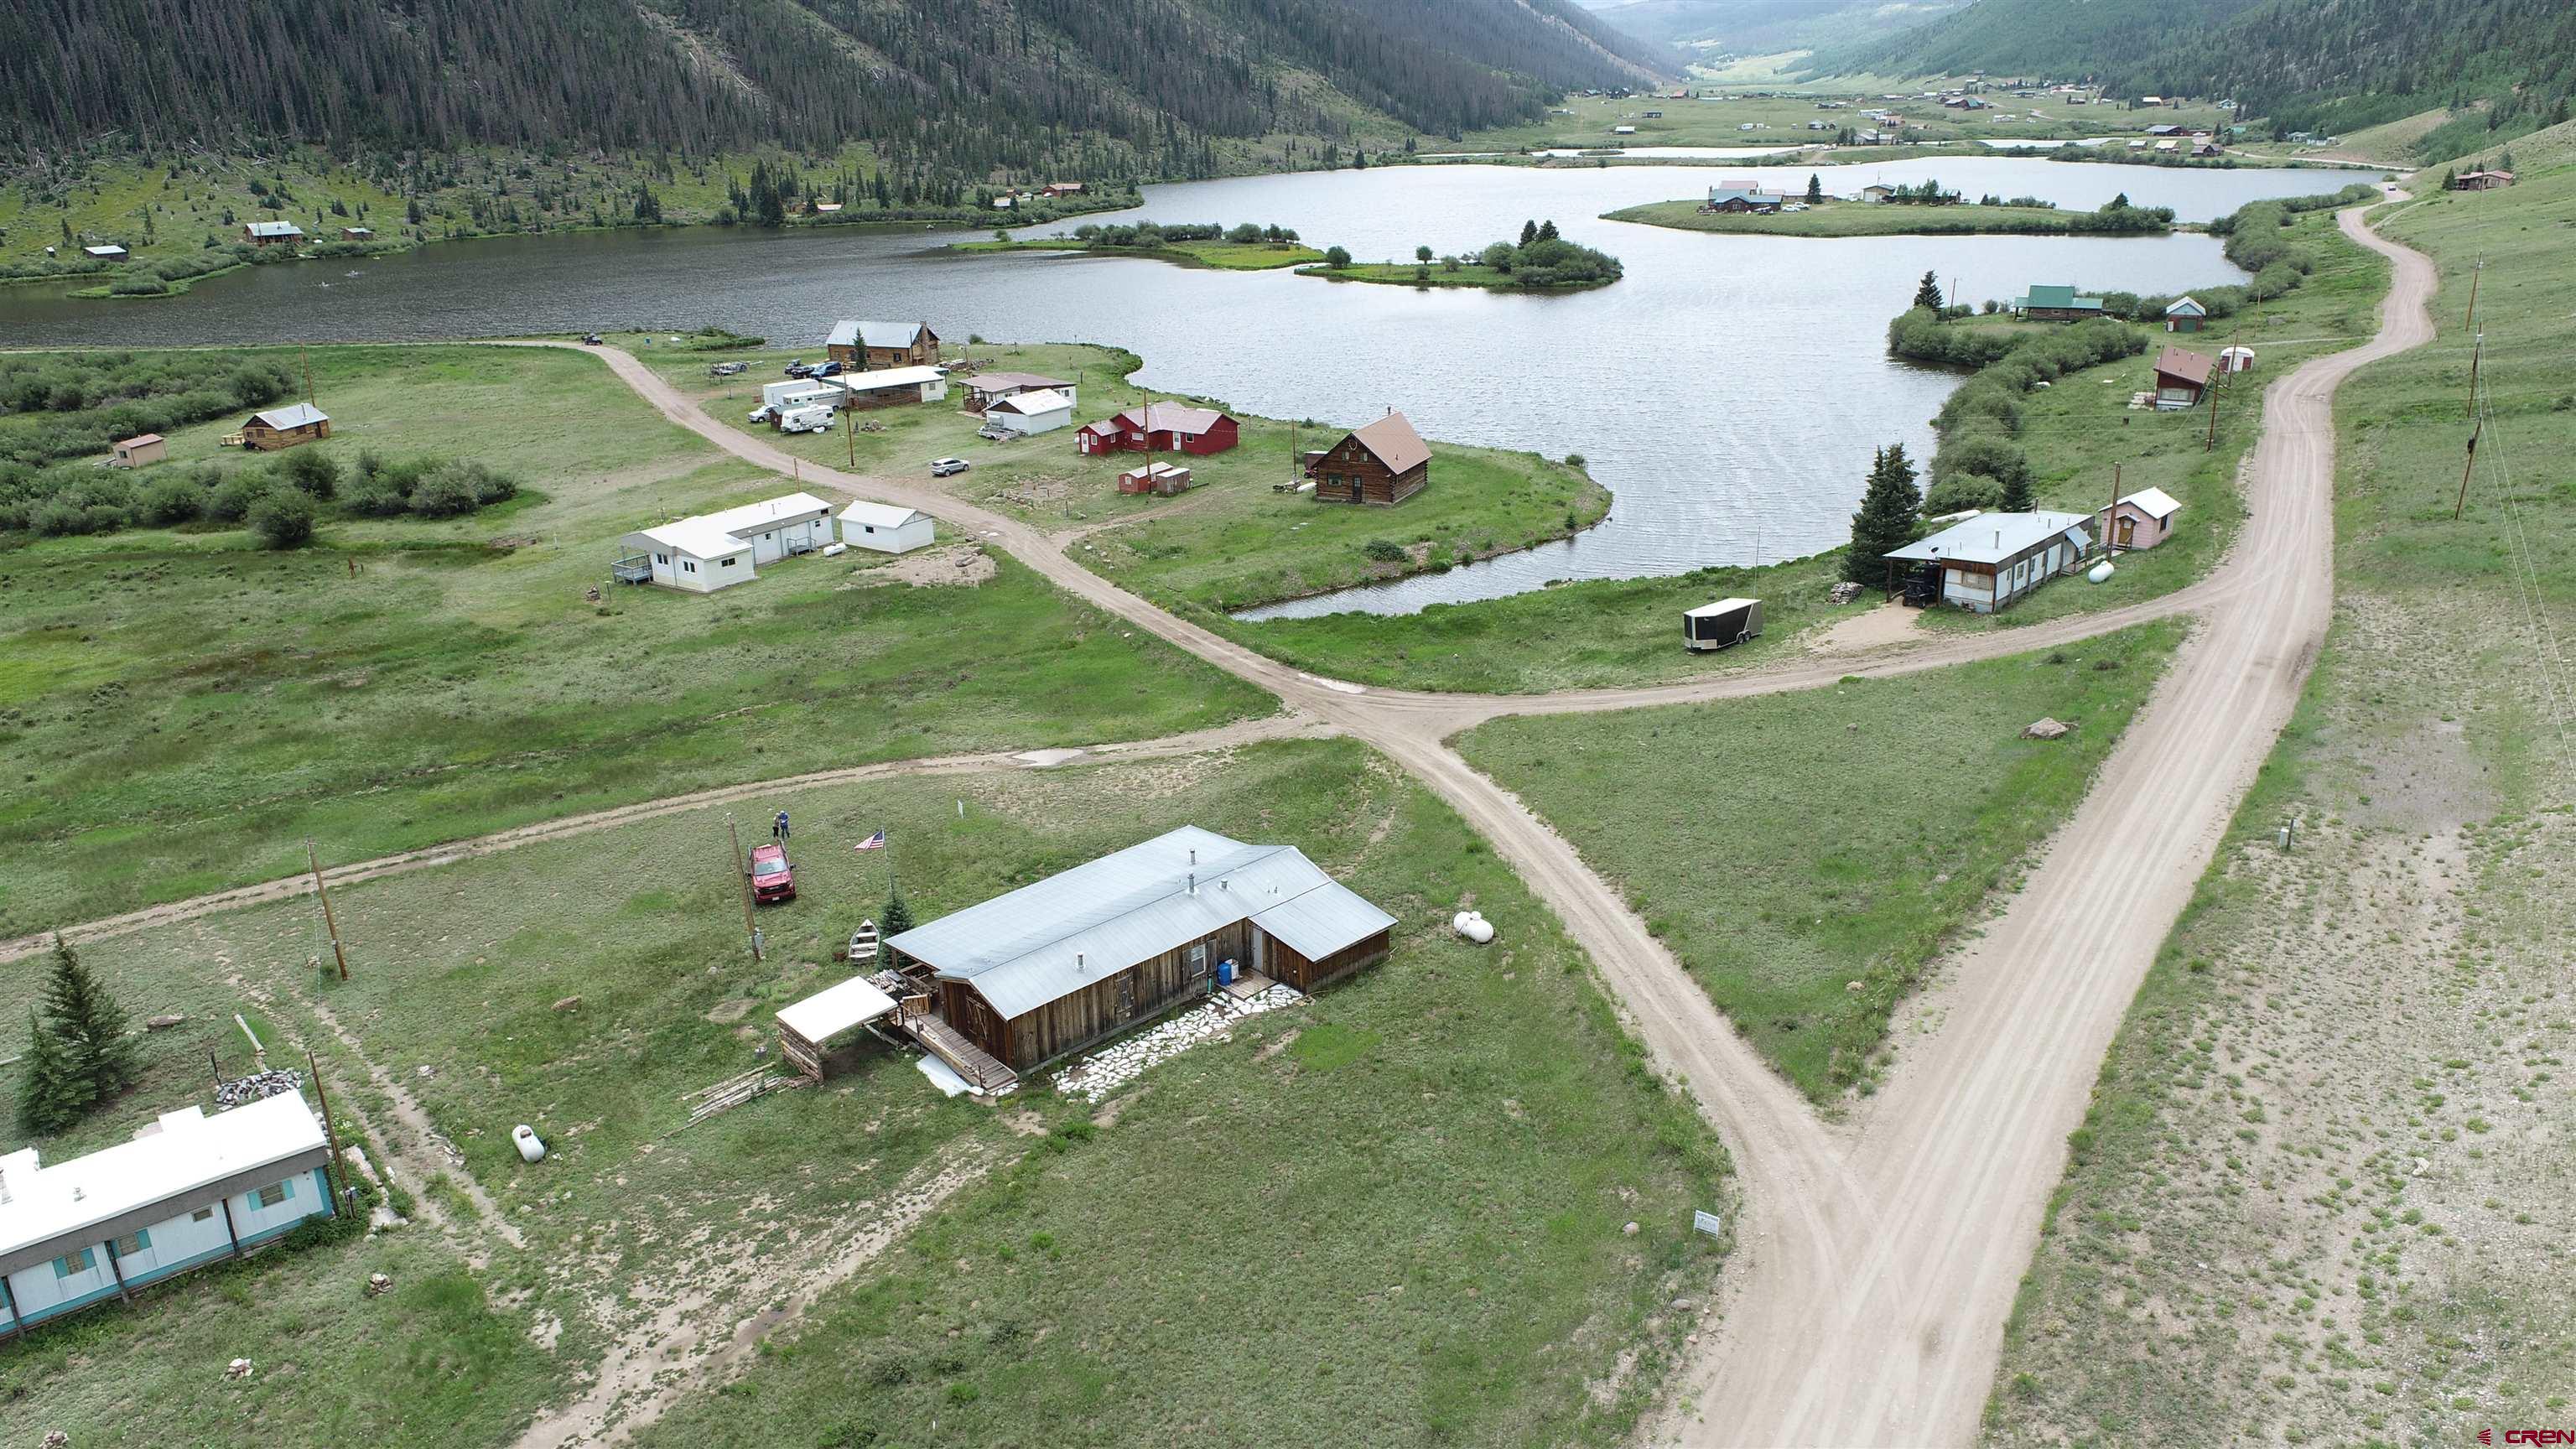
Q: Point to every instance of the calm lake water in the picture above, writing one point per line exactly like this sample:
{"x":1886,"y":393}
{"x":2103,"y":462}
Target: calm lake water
{"x":1728,"y":391}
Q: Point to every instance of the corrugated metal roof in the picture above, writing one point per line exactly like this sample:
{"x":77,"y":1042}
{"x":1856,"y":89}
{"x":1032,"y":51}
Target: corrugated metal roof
{"x":1014,"y":381}
{"x":696,"y":537}
{"x":886,"y":377}
{"x":294,"y":417}
{"x":1991,"y":537}
{"x":189,"y":1150}
{"x":2153,"y":502}
{"x":1164,"y":418}
{"x":1323,"y":920}
{"x":1034,"y":401}
{"x":1075,"y":929}
{"x":2184,"y":363}
{"x":829,"y":1012}
{"x":788,"y":508}
{"x":847,"y":333}
{"x":880,"y":515}
{"x":1394,"y":443}
{"x":275,"y":228}
{"x":2185,"y":307}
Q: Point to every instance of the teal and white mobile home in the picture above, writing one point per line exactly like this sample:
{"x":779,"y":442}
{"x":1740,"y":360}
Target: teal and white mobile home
{"x":186,"y":1191}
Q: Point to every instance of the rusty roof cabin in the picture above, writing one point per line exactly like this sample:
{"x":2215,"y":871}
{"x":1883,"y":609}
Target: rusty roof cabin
{"x":1385,"y":462}
{"x":1001,"y":988}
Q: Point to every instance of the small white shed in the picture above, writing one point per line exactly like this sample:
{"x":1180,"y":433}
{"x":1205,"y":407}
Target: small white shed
{"x":885,"y":527}
{"x":1024,"y":413}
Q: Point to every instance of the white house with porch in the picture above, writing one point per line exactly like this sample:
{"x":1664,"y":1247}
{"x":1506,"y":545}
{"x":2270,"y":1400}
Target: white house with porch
{"x":188,"y":1190}
{"x":709,"y":551}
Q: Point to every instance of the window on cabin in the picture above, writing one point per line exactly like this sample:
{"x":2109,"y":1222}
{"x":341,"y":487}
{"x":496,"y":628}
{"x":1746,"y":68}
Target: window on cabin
{"x":273,"y":1194}
{"x":203,"y":1214}
{"x":73,"y":1264}
{"x":728,"y":563}
{"x":687,"y":567}
{"x":133,"y":1243}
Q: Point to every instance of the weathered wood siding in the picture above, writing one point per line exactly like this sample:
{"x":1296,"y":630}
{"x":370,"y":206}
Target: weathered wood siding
{"x":1283,"y":964}
{"x":263,"y":438}
{"x":1350,"y":473}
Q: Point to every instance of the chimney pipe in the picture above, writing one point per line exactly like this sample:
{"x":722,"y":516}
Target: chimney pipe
{"x":1077,"y":961}
{"x":1194,"y":882}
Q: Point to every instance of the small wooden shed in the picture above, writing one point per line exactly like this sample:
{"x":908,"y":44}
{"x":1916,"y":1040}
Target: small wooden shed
{"x":1163,"y":478}
{"x":285,"y":427}
{"x":807,"y":1029}
{"x":2185,"y":314}
{"x":1385,"y":462}
{"x":2142,"y":520}
{"x":139,"y":451}
{"x":2182,"y":375}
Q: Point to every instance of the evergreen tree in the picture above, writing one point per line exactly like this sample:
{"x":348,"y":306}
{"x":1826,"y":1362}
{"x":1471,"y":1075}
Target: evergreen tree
{"x":1815,"y":190}
{"x":49,"y":1095}
{"x":1886,"y":517}
{"x":897,"y":920}
{"x":90,"y":1027}
{"x":1547,"y":231}
{"x":2017,"y":497}
{"x":1529,"y":232}
{"x":1928,"y":294}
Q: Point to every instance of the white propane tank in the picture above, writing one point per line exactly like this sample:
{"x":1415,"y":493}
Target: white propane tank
{"x":1477,"y":929}
{"x":2100,"y":573}
{"x":1458,"y":922}
{"x":530,"y":1149}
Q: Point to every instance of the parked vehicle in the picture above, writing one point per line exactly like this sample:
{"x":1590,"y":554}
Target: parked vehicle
{"x":815,"y":419}
{"x":994,"y":432}
{"x":728,"y":369}
{"x":942,"y":467}
{"x":773,"y":880}
{"x":591,"y":339}
{"x":800,"y":369}
{"x":759,"y":414}
{"x":829,"y":369}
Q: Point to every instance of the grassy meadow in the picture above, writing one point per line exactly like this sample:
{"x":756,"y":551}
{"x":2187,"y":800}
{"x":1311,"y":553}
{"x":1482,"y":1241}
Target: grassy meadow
{"x":2321,"y":1194}
{"x":1223,"y":255}
{"x":1436,"y":274}
{"x":1233,"y":541}
{"x":179,"y":711}
{"x":1415,"y":1186}
{"x":1844,"y":834}
{"x":1781,"y":120}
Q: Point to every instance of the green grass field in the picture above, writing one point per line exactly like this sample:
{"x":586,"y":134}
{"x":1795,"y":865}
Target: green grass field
{"x":182,"y":710}
{"x":1233,"y":541}
{"x":1414,"y":1187}
{"x":1849,"y":218}
{"x":2314,"y":1182}
{"x":1842,"y":835}
{"x":1781,"y":120}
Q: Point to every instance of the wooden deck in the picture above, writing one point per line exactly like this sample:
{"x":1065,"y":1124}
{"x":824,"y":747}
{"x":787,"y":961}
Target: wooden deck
{"x":979,"y":1067}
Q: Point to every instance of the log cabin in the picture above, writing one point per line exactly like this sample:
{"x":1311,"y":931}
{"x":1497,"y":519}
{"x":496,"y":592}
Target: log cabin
{"x":1001,"y":988}
{"x":272,"y":233}
{"x":285,"y":428}
{"x":2182,"y":375}
{"x":1385,"y":462}
{"x":882,"y":344}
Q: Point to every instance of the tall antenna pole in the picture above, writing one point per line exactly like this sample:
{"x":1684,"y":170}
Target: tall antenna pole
{"x":2474,"y":273}
{"x":329,"y":922}
{"x":743,"y":874}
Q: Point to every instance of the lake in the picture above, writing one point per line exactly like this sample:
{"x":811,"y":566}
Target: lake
{"x":1729,"y":391}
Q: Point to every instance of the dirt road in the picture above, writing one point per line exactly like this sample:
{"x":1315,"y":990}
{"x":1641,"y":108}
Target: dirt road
{"x":1878,"y":1259}
{"x":1959,"y":1152}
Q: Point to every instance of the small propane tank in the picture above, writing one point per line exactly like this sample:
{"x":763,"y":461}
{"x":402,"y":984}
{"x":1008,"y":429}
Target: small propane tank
{"x":2101,"y":572}
{"x":530,"y":1149}
{"x":1477,"y":929}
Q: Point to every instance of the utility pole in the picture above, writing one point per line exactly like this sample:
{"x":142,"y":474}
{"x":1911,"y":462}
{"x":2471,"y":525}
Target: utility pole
{"x":329,"y":922}
{"x":743,"y":876}
{"x":2466,"y":468}
{"x":2477,"y":350}
{"x":330,"y":1135}
{"x":2474,"y":273}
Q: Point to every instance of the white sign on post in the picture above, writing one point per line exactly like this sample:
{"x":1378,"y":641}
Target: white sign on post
{"x":1708,"y":1223}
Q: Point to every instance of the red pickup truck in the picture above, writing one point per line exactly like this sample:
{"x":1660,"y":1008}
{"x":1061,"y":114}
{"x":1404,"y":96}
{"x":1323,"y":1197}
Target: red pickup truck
{"x":772,"y":878}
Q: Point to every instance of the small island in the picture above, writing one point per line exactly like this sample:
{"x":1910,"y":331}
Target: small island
{"x":1244,"y":247}
{"x":1919,"y":210}
{"x":1541,"y":261}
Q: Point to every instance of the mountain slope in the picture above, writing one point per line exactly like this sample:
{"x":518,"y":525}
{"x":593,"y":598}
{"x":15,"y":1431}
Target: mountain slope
{"x":966,"y":86}
{"x":2508,"y":65}
{"x":1764,"y":27}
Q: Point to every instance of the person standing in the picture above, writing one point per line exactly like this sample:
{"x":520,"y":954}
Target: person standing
{"x":778,"y":828}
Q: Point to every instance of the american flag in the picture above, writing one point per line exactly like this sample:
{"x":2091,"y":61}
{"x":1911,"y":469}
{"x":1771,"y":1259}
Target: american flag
{"x":873,"y":842}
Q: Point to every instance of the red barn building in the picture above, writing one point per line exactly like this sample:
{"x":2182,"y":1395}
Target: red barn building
{"x":1160,"y":428}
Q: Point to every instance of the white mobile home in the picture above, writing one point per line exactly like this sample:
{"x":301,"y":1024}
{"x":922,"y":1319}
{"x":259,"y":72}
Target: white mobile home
{"x":1990,"y":560}
{"x":186,"y":1191}
{"x":892,"y":386}
{"x":885,"y":527}
{"x":1022,"y":414}
{"x":709,"y":551}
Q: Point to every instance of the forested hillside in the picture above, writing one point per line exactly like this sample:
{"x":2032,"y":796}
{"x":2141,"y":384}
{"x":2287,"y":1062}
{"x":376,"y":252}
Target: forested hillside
{"x":975,"y":90}
{"x":1765,"y":27}
{"x":2505,"y":66}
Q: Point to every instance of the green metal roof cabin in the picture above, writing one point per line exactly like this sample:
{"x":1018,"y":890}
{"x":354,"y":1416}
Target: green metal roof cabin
{"x":2057,"y":304}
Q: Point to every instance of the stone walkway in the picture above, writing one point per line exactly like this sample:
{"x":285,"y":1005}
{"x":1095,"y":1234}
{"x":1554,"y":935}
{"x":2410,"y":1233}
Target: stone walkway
{"x":1105,"y":1071}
